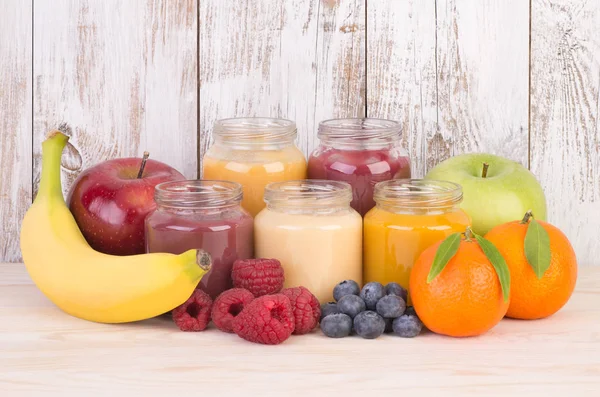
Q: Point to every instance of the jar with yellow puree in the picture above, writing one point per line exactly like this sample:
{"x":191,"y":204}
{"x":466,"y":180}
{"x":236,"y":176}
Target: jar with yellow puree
{"x":311,"y":228}
{"x":254,"y":151}
{"x":410,"y":215}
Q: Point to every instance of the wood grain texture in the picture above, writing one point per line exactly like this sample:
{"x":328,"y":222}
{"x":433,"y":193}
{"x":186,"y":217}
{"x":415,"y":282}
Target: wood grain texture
{"x":44,"y":351}
{"x":565,"y":111}
{"x":482,"y":79}
{"x":120,"y":78}
{"x":15,"y":122}
{"x":401,"y":72}
{"x":298,"y":59}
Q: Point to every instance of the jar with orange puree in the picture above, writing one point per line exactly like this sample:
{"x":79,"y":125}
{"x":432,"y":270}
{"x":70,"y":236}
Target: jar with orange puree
{"x":254,"y":151}
{"x":410,"y":215}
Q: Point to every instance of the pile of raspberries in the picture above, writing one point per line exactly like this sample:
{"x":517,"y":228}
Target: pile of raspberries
{"x":257,"y":309}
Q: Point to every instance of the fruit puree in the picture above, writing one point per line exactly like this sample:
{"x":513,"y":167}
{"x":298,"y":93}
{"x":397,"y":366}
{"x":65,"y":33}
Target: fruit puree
{"x":361,"y":152}
{"x":314,"y":233}
{"x":410,"y":216}
{"x":212,"y":221}
{"x":254,"y":152}
{"x":274,"y":166}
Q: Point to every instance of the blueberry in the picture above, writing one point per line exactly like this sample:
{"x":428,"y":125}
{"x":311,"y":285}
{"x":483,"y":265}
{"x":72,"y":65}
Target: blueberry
{"x":391,"y":306}
{"x":410,"y":310}
{"x":329,"y":308}
{"x":371,"y":293}
{"x":346,"y":287}
{"x":351,"y":305}
{"x":337,"y":325}
{"x":369,"y":324}
{"x":396,"y":289}
{"x":388,"y":325}
{"x":407,"y":326}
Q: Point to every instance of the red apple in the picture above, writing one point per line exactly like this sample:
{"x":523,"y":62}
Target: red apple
{"x":110,"y":203}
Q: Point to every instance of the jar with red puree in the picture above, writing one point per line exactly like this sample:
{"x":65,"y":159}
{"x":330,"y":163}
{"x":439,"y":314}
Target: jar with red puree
{"x":362,"y":152}
{"x":206,"y":215}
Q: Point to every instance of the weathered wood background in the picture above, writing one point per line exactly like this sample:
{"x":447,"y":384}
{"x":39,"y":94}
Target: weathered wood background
{"x":517,"y":78}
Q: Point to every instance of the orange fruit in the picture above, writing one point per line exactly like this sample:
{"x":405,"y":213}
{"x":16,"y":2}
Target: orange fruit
{"x":464,"y":299}
{"x":530,"y":297}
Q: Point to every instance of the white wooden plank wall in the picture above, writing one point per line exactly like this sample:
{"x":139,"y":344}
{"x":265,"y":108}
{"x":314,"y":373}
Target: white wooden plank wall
{"x":120,"y":77}
{"x":482,"y":77}
{"x":565,"y":106}
{"x":15,"y":122}
{"x":296,"y":59}
{"x":513,"y":77}
{"x":401,"y":75}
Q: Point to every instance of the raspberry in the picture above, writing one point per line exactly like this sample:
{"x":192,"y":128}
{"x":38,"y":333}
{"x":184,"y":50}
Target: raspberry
{"x":305,"y":307}
{"x":193,"y":314}
{"x":259,"y":276}
{"x":268,"y":320}
{"x":228,"y":305}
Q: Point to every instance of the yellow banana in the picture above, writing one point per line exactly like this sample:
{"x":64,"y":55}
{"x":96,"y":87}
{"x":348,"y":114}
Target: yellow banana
{"x":86,"y":283}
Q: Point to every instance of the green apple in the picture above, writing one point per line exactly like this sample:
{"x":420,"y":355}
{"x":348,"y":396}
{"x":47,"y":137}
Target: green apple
{"x":500,"y":194}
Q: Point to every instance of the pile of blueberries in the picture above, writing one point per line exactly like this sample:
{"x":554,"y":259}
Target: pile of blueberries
{"x":370,"y":312}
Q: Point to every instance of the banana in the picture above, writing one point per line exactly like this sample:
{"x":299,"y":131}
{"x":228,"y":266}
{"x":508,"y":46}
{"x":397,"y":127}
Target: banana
{"x":88,"y":284}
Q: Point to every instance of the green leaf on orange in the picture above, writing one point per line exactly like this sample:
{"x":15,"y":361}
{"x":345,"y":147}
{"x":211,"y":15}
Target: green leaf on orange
{"x":497,"y":260}
{"x":444,"y":253}
{"x":537,"y":248}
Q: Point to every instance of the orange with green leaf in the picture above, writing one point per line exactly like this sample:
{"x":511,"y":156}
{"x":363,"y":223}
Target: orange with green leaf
{"x":542,"y":264}
{"x":460,"y":286}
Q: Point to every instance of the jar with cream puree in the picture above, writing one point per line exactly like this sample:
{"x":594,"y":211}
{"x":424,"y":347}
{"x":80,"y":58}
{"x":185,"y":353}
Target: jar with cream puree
{"x":206,"y":215}
{"x":310,"y":227}
{"x":254,"y":151}
{"x":410,"y":216}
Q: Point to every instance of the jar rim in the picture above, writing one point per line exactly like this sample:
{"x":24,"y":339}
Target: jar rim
{"x":418,"y":193}
{"x":259,"y":130}
{"x":308,"y":193}
{"x":359,"y":129}
{"x":198,"y":193}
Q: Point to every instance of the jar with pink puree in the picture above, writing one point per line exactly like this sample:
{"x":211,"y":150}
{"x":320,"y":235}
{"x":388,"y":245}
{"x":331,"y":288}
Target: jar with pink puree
{"x":310,"y":227}
{"x":202,"y":214}
{"x":362,"y":152}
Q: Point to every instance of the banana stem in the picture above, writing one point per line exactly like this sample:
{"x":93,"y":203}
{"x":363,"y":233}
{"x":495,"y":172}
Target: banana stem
{"x":52,"y":147}
{"x":203,"y":260}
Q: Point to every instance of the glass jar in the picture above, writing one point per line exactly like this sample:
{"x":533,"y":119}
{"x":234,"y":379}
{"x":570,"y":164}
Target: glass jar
{"x":254,"y":152}
{"x":410,"y":216}
{"x":204,"y":215}
{"x":362,"y":152}
{"x":311,"y":228}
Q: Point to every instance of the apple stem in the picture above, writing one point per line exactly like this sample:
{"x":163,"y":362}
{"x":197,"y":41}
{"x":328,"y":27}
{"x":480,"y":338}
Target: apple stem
{"x":143,"y":165}
{"x":485,"y":170}
{"x":528,"y":215}
{"x":468,"y":234}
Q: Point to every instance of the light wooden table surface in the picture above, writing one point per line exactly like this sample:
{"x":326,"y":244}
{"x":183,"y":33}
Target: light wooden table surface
{"x":44,"y":351}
